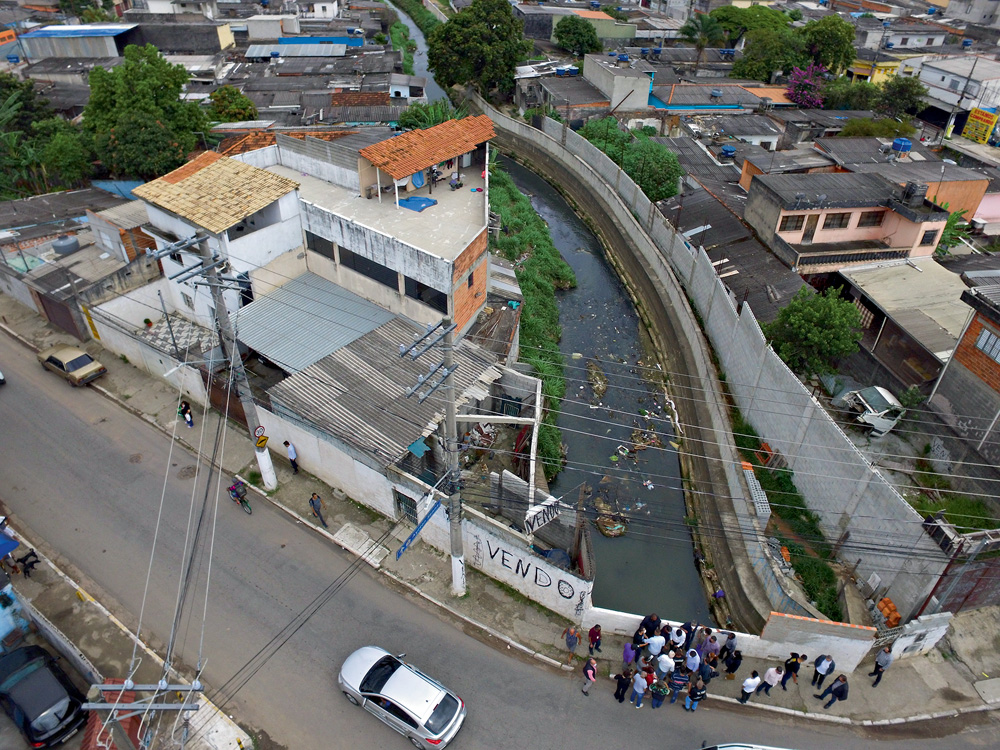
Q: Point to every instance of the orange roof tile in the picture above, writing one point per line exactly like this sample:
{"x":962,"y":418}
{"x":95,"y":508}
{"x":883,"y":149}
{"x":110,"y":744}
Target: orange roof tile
{"x":415,"y":150}
{"x":360,"y":99}
{"x":777,"y":94}
{"x":195,"y":165}
{"x":595,"y":14}
{"x":240,"y":144}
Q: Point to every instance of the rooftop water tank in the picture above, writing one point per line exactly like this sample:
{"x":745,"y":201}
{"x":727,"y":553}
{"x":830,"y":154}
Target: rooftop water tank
{"x":572,"y":70}
{"x":623,"y":57}
{"x":728,"y":152}
{"x":275,"y":54}
{"x":889,"y":45}
{"x":612,"y":54}
{"x":886,"y":24}
{"x":657,"y":50}
{"x":560,"y":71}
{"x":64,"y":244}
{"x":902,"y":146}
{"x":931,"y":11}
{"x":966,"y":43}
{"x":644,"y":51}
{"x":594,"y":4}
{"x":716,"y":93}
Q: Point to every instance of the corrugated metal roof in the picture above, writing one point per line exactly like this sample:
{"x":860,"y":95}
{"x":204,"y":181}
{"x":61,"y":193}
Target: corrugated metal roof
{"x":305,"y":320}
{"x":358,"y":393}
{"x":296,"y":50}
{"x":128,"y":215}
{"x":96,"y":29}
{"x":362,"y":114}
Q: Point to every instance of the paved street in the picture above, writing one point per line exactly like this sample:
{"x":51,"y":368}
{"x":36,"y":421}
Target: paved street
{"x":84,"y":477}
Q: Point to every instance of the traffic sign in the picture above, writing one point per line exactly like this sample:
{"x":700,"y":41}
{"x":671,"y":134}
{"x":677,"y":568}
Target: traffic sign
{"x":259,"y":431}
{"x":262,"y":441}
{"x":411,"y":537}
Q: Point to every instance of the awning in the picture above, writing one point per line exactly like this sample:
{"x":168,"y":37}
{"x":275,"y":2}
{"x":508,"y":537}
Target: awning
{"x":7,"y":545}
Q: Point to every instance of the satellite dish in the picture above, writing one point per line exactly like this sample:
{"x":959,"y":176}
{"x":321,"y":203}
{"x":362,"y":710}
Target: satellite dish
{"x":821,"y":198}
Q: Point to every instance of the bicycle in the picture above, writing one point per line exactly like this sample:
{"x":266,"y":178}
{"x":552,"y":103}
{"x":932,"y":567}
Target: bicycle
{"x":238,"y":492}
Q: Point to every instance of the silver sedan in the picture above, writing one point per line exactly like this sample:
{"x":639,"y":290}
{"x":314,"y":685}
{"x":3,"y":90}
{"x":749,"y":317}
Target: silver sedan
{"x":419,"y":708}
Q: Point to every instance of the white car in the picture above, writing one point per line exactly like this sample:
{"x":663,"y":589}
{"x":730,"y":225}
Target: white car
{"x":399,"y":694}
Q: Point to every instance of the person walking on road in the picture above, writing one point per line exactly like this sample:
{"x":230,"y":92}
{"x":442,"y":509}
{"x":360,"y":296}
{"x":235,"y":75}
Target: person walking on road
{"x":823,"y":666}
{"x":572,"y":636}
{"x":624,"y":681}
{"x":594,"y":638}
{"x":659,"y":691}
{"x":792,"y":664}
{"x":293,"y":457}
{"x":318,"y":506}
{"x":733,"y":662}
{"x":771,"y":678}
{"x":589,"y":675}
{"x":695,"y":696}
{"x":638,"y":689}
{"x":749,"y":685}
{"x":882,"y":662}
{"x":837,"y":691}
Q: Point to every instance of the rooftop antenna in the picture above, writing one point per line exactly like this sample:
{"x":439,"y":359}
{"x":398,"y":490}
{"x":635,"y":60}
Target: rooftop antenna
{"x":799,"y":197}
{"x":820,"y":199}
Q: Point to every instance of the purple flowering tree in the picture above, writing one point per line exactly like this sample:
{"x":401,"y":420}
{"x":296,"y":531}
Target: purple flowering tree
{"x":805,"y":87}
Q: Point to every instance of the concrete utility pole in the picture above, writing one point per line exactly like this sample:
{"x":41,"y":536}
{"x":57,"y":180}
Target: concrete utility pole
{"x":231,"y":349}
{"x":447,"y":381}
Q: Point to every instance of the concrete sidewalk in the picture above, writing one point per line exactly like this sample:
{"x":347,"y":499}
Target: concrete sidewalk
{"x":920,"y":688}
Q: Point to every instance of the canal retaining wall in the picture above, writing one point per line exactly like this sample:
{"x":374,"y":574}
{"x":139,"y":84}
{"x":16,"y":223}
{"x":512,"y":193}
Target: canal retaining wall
{"x":873,"y":527}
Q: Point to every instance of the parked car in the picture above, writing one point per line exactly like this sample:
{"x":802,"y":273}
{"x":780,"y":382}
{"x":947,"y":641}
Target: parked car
{"x":76,"y":366}
{"x":874,"y":406}
{"x":39,"y":697}
{"x":2,"y":379}
{"x":402,"y":696}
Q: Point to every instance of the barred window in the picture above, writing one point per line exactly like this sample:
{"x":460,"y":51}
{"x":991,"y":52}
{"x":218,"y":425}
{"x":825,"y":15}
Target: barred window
{"x":871,"y":219}
{"x":836,"y":221}
{"x":791,"y":223}
{"x":989,"y":344}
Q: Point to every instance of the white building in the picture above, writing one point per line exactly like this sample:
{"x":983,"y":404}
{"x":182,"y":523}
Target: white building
{"x":207,"y":8}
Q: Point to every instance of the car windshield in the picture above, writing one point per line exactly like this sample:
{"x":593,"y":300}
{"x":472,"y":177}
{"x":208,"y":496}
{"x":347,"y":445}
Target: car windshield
{"x":379,"y":674}
{"x":52,"y":718}
{"x":75,"y":364}
{"x":444,"y":712}
{"x":21,"y":673}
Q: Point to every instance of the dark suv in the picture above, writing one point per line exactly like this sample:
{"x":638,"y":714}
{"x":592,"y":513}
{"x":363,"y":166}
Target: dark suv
{"x":39,"y":697}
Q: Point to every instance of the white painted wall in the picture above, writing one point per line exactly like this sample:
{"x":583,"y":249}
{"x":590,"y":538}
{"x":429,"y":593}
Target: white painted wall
{"x":921,"y":635}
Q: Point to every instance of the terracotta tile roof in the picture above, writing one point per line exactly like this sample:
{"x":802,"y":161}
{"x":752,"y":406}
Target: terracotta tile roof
{"x":411,"y":152}
{"x":597,"y":15}
{"x":776,"y":94}
{"x":215,"y":192}
{"x":240,"y":144}
{"x":360,"y":99}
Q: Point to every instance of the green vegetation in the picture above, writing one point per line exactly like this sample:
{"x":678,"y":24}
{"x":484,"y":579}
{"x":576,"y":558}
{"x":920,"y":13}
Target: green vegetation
{"x":540,"y":271}
{"x":955,"y":231}
{"x":702,"y":32}
{"x":482,"y":45}
{"x":419,"y":116}
{"x":423,"y":18}
{"x":652,"y":166}
{"x":813,"y":330}
{"x":615,"y":13}
{"x":964,"y":512}
{"x":577,"y":35}
{"x":877,"y":128}
{"x":818,"y":579}
{"x":738,"y":21}
{"x":771,"y":46}
{"x":545,"y":111}
{"x":400,"y":36}
{"x":228,"y":104}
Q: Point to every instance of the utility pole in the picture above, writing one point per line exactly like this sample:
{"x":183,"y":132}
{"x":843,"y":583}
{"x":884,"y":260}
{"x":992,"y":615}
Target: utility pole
{"x":447,"y":381}
{"x":229,"y":346}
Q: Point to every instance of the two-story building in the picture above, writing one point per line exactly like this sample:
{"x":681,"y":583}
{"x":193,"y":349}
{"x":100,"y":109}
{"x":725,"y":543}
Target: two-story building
{"x":817,"y":223}
{"x":956,"y":85}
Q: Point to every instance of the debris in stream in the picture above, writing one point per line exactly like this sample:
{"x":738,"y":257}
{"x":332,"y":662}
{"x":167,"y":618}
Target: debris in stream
{"x":598,"y":380}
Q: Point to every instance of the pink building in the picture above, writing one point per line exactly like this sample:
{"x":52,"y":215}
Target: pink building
{"x":818,"y":223}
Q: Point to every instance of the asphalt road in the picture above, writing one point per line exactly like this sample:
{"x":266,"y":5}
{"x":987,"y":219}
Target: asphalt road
{"x":85,"y":476}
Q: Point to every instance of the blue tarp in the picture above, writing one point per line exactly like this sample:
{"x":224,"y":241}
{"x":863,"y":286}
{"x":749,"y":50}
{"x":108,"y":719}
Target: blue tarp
{"x":417,"y":203}
{"x":7,"y":545}
{"x":350,"y":41}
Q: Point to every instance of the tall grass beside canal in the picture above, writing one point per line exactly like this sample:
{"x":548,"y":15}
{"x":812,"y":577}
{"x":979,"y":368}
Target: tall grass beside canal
{"x":540,"y":270}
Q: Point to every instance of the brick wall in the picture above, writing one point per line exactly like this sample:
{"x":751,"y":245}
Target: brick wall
{"x":469,"y":300}
{"x":978,"y":363}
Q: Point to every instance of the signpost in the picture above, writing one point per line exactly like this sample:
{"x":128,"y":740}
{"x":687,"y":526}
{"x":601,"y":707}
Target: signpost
{"x":262,"y":441}
{"x":416,"y":531}
{"x":540,"y":515}
{"x":259,"y":431}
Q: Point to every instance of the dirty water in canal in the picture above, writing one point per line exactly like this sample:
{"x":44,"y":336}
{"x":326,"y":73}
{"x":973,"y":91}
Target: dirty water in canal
{"x":651,"y":567}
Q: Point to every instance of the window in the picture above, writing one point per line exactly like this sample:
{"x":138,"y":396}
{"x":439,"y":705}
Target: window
{"x":929,"y":41}
{"x":792,"y":223}
{"x":904,"y":41}
{"x":427,"y":295}
{"x":406,"y":506}
{"x":320,"y":245}
{"x":989,"y":344}
{"x":187,"y":300}
{"x":871,"y":219}
{"x":371,"y":269}
{"x":471,"y":279}
{"x":953,"y":84}
{"x":836,"y":221}
{"x":930,"y":237}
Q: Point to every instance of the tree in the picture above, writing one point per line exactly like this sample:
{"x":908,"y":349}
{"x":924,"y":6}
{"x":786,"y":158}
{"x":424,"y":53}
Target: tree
{"x":843,"y":93}
{"x":738,"y":21}
{"x":230,"y":105}
{"x":653,"y":167}
{"x":805,"y":87}
{"x":65,"y":152}
{"x":813,"y":330}
{"x":577,"y":35}
{"x":31,"y":108}
{"x":703,"y":32}
{"x":481,"y":44}
{"x":900,"y":95}
{"x":955,"y":231}
{"x":615,"y":12}
{"x":768,"y":51}
{"x":419,"y":116}
{"x":144,"y":91}
{"x":877,"y":128}
{"x":830,"y":41}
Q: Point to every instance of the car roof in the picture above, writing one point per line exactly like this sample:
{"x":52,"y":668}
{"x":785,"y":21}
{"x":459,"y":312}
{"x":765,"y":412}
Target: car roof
{"x":38,"y":692}
{"x":64,"y":352}
{"x":414,"y":692}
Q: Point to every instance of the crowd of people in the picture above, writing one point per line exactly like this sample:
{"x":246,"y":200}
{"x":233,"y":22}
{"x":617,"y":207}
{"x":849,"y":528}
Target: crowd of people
{"x":662,"y":661}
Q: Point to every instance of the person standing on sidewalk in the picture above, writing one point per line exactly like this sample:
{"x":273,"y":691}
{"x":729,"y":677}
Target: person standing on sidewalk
{"x":695,"y":696}
{"x":659,"y":691}
{"x":624,"y":681}
{"x":664,"y":665}
{"x":733,"y":662}
{"x":679,"y":680}
{"x":823,"y":665}
{"x":185,"y":411}
{"x":837,"y":691}
{"x":882,"y":662}
{"x":629,"y":655}
{"x":572,"y":636}
{"x":594,"y":637}
{"x":293,"y":457}
{"x":652,"y":623}
{"x":749,"y":685}
{"x":728,"y":646}
{"x":771,"y":678}
{"x":792,"y":664}
{"x":589,"y":675}
{"x":654,"y":645}
{"x":638,"y":689}
{"x":318,"y":506}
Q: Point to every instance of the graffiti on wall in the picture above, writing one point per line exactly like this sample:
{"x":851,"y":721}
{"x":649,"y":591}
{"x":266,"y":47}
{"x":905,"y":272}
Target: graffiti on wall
{"x":520,"y":564}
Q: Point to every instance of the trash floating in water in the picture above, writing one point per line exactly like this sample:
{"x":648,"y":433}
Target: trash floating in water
{"x":647,"y":484}
{"x":577,"y":355}
{"x":677,"y":446}
{"x":640,"y":506}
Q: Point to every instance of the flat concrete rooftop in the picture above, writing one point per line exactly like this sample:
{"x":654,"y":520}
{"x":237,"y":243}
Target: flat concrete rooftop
{"x":443,"y":230}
